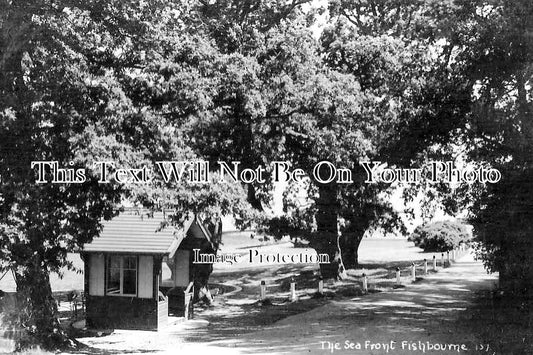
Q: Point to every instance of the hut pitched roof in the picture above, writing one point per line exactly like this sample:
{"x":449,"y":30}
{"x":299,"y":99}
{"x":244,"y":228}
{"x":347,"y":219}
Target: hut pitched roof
{"x":143,"y":233}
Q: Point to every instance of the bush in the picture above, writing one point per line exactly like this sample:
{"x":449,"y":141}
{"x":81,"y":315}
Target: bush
{"x":440,"y":236}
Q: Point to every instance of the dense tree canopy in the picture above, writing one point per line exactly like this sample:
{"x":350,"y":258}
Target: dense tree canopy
{"x":500,"y":57}
{"x":136,"y":82}
{"x":407,"y":98}
{"x":81,"y":83}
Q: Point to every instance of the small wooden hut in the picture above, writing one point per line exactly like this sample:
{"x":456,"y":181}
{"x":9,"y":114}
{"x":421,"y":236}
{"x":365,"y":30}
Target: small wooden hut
{"x":124,"y":283}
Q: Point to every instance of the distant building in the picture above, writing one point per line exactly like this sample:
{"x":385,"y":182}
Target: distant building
{"x":124,"y":284}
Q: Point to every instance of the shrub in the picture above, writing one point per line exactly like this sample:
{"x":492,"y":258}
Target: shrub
{"x":440,"y":236}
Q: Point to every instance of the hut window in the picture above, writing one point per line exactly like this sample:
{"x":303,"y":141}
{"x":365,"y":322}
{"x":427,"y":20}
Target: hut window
{"x":121,"y":275}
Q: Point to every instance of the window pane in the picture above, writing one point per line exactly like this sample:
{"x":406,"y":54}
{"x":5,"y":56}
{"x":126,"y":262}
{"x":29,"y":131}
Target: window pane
{"x":121,"y":275}
{"x":113,"y":280}
{"x":130,"y":262}
{"x":130,"y":282}
{"x":114,"y":262}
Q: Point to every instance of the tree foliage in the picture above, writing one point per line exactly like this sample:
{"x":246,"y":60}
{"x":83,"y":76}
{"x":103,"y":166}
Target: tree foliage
{"x":500,"y":57}
{"x":82,"y":82}
{"x":378,"y":85}
{"x":440,"y":236}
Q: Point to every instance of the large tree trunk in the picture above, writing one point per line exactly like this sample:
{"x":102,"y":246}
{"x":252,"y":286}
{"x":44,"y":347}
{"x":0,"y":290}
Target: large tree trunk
{"x":350,"y":242}
{"x":327,"y":239}
{"x":14,"y":38}
{"x":358,"y":223}
{"x":38,"y":309}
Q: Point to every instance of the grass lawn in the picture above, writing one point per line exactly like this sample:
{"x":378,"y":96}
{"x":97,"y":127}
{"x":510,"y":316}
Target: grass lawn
{"x":70,"y":280}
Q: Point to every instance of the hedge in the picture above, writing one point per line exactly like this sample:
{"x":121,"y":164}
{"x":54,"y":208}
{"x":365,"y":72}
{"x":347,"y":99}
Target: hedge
{"x":440,"y":236}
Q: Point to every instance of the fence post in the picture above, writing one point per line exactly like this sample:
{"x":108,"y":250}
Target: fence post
{"x":398,"y":277}
{"x":263,"y":290}
{"x":320,"y":284}
{"x":191,"y":305}
{"x":413,"y":271}
{"x":434,"y":263}
{"x":365,"y":284}
{"x":293,"y":290}
{"x":448,"y":257}
{"x":425,"y":266}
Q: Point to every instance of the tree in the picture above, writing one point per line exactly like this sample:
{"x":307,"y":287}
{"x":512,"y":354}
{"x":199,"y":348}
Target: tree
{"x":358,"y":96}
{"x":498,"y":55}
{"x":440,"y":236}
{"x":273,"y":99}
{"x":79,"y":83}
{"x":412,"y":100}
{"x":489,"y":51}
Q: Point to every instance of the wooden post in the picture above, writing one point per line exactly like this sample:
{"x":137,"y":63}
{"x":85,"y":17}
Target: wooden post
{"x":365,"y":284}
{"x":191,"y":306}
{"x":263,"y":291}
{"x":188,"y":298}
{"x":413,"y":271}
{"x":320,"y":285}
{"x":425,"y":266}
{"x":434,"y":263}
{"x":293,"y":290}
{"x":398,"y":277}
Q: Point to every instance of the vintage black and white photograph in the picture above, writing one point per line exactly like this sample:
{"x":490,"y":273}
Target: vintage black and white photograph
{"x":245,"y":177}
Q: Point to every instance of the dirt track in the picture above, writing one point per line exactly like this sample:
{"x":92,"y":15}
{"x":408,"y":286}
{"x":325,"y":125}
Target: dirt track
{"x":430,"y":311}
